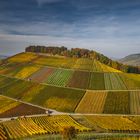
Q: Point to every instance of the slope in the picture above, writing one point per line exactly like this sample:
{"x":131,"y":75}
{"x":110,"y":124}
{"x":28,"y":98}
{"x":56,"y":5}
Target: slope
{"x":133,"y":59}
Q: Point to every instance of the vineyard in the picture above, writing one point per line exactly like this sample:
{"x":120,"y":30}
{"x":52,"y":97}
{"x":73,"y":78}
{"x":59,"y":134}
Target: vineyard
{"x":18,"y":70}
{"x":63,"y":62}
{"x":117,"y":103}
{"x":25,"y":127}
{"x":14,"y":108}
{"x":97,"y":81}
{"x":74,"y":79}
{"x":22,"y":58}
{"x":79,"y":79}
{"x":113,"y":82}
{"x":135,"y":102}
{"x":93,"y":96}
{"x":79,"y":73}
{"x":41,"y":75}
{"x":28,"y":126}
{"x":72,"y":100}
{"x":61,"y":99}
{"x":59,"y":77}
{"x":92,"y":102}
{"x":7,"y":104}
{"x":22,"y":110}
{"x":16,"y":89}
{"x":114,"y":123}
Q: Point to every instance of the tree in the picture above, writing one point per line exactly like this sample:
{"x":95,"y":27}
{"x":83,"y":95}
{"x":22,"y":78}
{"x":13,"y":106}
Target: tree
{"x":68,"y":132}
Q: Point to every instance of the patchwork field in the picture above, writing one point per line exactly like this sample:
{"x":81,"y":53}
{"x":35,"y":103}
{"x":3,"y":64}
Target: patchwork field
{"x":70,"y":100}
{"x":63,"y":62}
{"x":80,"y":73}
{"x":68,"y":85}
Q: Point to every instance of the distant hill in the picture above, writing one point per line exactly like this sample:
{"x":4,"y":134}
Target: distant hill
{"x":3,"y":57}
{"x":133,"y":59}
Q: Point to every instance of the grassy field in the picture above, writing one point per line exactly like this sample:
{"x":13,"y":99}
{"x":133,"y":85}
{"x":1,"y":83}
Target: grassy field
{"x":92,"y":102}
{"x":117,"y":103}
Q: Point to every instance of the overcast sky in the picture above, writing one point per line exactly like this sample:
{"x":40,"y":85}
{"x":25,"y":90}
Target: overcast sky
{"x":111,"y":27}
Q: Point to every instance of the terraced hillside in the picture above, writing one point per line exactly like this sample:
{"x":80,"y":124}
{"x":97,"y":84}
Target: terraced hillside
{"x":26,"y":127}
{"x":72,"y":100}
{"x":32,"y":83}
{"x":61,"y":62}
{"x":84,"y":74}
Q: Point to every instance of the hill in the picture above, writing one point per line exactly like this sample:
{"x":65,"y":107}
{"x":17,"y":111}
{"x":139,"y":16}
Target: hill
{"x":66,"y":84}
{"x":32,"y":83}
{"x":133,"y":59}
{"x":83,"y":53}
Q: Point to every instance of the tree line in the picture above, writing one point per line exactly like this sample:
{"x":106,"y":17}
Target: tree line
{"x":83,"y":53}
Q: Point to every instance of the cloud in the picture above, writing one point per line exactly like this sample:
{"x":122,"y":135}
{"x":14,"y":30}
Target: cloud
{"x":13,"y":44}
{"x":93,"y":24}
{"x":41,"y":2}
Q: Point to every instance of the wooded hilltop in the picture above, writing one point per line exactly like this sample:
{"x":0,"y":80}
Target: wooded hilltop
{"x":83,"y":53}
